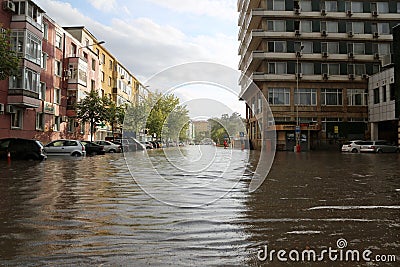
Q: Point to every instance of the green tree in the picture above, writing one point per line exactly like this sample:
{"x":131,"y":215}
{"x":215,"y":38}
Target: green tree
{"x":9,"y":60}
{"x":226,"y":126}
{"x":114,"y":114}
{"x":92,"y":109}
{"x":136,"y":116}
{"x":176,"y":124}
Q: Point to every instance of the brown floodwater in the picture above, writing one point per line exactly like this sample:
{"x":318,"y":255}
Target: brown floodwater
{"x":192,"y":207}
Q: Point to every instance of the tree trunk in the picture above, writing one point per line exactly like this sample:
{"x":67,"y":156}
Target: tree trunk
{"x":91,"y":130}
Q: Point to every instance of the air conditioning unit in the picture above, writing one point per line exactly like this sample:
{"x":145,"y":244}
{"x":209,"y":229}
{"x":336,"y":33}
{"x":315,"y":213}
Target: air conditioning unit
{"x":376,"y":56}
{"x":68,"y":74}
{"x":324,"y":33}
{"x":325,"y":76}
{"x":351,"y":76}
{"x":297,"y":32}
{"x":122,"y":77}
{"x":348,"y":13}
{"x":10,"y":109}
{"x":1,"y":108}
{"x":297,"y":11}
{"x":350,"y":54}
{"x":299,"y":75}
{"x":374,"y":13}
{"x":324,"y":54}
{"x":298,"y":54}
{"x":9,"y":6}
{"x":375,"y":34}
{"x":323,"y":12}
{"x":350,"y":34}
{"x":364,"y":76}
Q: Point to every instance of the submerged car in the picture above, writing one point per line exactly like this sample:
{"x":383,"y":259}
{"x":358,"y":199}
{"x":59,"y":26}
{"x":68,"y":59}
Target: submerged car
{"x":352,"y":146}
{"x":21,"y":149}
{"x":109,"y":146}
{"x":379,"y":146}
{"x":93,"y":149}
{"x":64,"y":147}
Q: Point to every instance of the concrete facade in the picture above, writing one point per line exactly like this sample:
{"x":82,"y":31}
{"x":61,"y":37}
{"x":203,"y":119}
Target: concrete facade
{"x":311,"y":60}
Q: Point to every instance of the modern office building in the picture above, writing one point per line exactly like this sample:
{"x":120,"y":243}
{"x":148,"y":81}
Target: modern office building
{"x":312,"y":61}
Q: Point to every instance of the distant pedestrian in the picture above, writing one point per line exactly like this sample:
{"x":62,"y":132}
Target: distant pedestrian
{"x":225,"y":144}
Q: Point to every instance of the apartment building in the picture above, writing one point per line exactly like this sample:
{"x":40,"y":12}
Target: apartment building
{"x":59,"y":65}
{"x":312,"y":60}
{"x":19,"y":95}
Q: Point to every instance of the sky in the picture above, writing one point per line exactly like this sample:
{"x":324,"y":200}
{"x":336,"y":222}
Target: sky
{"x":150,"y":36}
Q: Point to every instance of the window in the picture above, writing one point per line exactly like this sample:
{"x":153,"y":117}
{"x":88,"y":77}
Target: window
{"x":398,"y":7}
{"x":384,"y":94}
{"x":102,"y":76}
{"x":303,"y":26}
{"x":74,"y":49}
{"x":376,"y":96}
{"x":253,"y":105}
{"x":260,"y":103}
{"x":92,"y":85}
{"x":97,"y":52}
{"x":331,"y":68}
{"x":93,"y":64}
{"x":26,"y":44}
{"x":42,"y":91}
{"x":306,"y":97}
{"x":103,"y":58}
{"x":57,"y":68}
{"x":45,"y":31}
{"x":57,"y":121}
{"x":307,"y":47}
{"x":276,"y":25}
{"x":109,"y":81}
{"x":44,"y":61}
{"x":356,"y":48}
{"x":279,"y":96}
{"x":381,"y":28}
{"x":329,"y":26}
{"x":16,"y":118}
{"x":380,"y":7}
{"x":331,"y":6}
{"x":57,"y":96}
{"x":381,"y":48}
{"x":277,"y":68}
{"x":58,"y":43}
{"x":330,"y":47}
{"x":71,"y":125}
{"x":355,"y":7}
{"x":39,"y":121}
{"x":276,"y":5}
{"x":110,"y":65}
{"x":307,"y":68}
{"x":392,"y":92}
{"x":356,"y":97}
{"x":28,"y":80}
{"x":357,"y":69}
{"x":277,"y":46}
{"x":355,"y":27}
{"x":305,"y":5}
{"x":331,"y":97}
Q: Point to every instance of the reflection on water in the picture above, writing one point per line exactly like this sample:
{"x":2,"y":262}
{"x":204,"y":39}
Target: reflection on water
{"x":90,"y":211}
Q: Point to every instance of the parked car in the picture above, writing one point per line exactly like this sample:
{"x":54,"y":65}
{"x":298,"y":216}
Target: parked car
{"x":110,"y":147}
{"x":352,"y":146}
{"x":130,"y":144}
{"x":93,"y":148}
{"x":64,"y":147}
{"x":379,"y":146}
{"x":147,"y":145}
{"x":21,"y":149}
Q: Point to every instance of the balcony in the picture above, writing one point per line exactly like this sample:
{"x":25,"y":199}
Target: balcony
{"x":23,"y":98}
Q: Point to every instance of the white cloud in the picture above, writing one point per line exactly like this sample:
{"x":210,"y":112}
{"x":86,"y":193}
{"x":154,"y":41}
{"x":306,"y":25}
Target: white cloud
{"x":222,"y":9}
{"x":104,"y":5}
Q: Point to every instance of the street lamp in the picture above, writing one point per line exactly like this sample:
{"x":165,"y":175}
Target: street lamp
{"x":298,"y":131}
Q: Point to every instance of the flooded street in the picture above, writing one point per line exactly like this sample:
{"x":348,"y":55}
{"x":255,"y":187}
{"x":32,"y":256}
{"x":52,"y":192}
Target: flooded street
{"x":90,"y":211}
